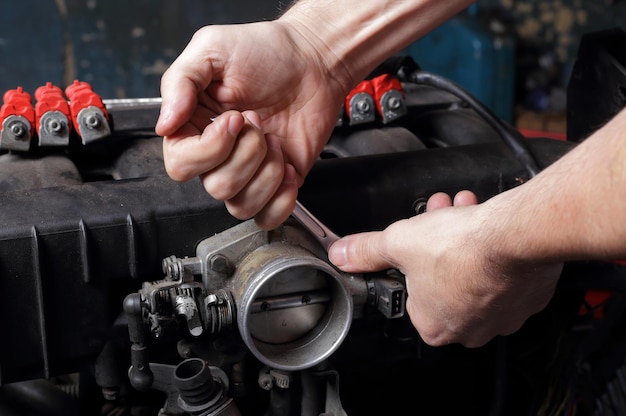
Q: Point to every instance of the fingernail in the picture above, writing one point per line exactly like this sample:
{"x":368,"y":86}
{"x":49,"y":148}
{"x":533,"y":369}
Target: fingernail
{"x":338,"y":253}
{"x":164,"y":116}
{"x":254,"y":118}
{"x":234,"y":125}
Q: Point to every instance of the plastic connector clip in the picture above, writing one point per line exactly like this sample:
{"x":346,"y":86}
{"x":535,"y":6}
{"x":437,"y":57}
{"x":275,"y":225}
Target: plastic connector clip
{"x":389,"y":296}
{"x":17,"y":118}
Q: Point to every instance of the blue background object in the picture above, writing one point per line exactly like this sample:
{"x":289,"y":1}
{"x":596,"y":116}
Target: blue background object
{"x":469,"y":52}
{"x":120,"y":47}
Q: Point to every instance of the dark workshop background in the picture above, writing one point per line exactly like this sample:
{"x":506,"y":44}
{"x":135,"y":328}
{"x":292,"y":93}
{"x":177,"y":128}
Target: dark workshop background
{"x":122,"y":47}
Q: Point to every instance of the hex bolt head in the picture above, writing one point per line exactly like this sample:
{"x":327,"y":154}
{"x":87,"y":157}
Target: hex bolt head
{"x":220,"y":264}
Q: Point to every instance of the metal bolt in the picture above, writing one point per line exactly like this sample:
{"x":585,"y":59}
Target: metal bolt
{"x":266,"y":382}
{"x":184,"y":350}
{"x":394,"y":103}
{"x":363,"y":106}
{"x":220,"y":264}
{"x":419,"y":206}
{"x":92,"y":121}
{"x":18,"y":130}
{"x":54,"y":126}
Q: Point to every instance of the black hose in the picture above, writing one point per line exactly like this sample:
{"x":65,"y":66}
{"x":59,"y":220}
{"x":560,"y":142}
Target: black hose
{"x":513,"y":139}
{"x":39,"y":397}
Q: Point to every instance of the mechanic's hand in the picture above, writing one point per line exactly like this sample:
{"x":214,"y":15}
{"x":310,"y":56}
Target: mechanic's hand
{"x":276,"y":105}
{"x":458,"y":288}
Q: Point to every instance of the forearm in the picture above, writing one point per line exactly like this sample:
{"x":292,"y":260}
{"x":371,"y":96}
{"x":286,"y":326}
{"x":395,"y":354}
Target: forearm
{"x":575,"y":209}
{"x":353,"y":36}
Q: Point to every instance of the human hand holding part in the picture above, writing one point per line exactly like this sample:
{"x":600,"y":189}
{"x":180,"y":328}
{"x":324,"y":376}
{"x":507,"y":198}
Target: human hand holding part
{"x":459,"y":290}
{"x":283,"y":82}
{"x":463,"y":264}
{"x":253,"y":160}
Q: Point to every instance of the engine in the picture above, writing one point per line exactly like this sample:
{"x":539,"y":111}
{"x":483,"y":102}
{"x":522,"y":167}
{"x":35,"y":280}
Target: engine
{"x":123,"y":292}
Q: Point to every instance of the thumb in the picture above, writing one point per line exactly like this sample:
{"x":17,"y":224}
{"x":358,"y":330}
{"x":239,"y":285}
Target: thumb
{"x":178,"y":101}
{"x":357,"y":253}
{"x":186,"y":77}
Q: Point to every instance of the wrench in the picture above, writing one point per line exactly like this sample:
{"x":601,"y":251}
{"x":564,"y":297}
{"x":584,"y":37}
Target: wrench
{"x":321,"y":233}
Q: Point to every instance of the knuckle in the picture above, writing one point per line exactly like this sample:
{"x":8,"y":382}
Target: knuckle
{"x":272,"y":215}
{"x":434,"y":338}
{"x":167,"y":74}
{"x":219,"y":188}
{"x":176,"y":170}
{"x":201,"y":33}
{"x":432,"y":331}
{"x":265,"y":223}
{"x":240,"y":211}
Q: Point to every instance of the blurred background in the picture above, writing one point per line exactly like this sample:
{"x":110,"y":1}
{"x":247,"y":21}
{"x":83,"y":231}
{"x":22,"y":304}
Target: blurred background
{"x":515,"y":56}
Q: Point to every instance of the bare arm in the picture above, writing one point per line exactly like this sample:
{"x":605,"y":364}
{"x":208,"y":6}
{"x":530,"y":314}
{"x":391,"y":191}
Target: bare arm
{"x":575,"y":209}
{"x":277,"y":88}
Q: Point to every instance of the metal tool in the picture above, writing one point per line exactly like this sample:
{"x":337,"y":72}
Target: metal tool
{"x":321,"y":233}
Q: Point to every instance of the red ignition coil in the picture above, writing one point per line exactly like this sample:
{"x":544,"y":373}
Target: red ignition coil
{"x":17,"y":118}
{"x":89,"y":115}
{"x":360,"y":104}
{"x":54,"y":121}
{"x":389,"y":96}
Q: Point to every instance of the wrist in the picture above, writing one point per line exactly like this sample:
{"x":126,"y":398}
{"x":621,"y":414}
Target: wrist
{"x":304,"y":28}
{"x":519,"y":229}
{"x":501,"y":236}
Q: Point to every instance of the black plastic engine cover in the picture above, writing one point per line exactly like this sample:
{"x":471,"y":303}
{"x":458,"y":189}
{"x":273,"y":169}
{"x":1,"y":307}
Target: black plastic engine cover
{"x":70,"y":254}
